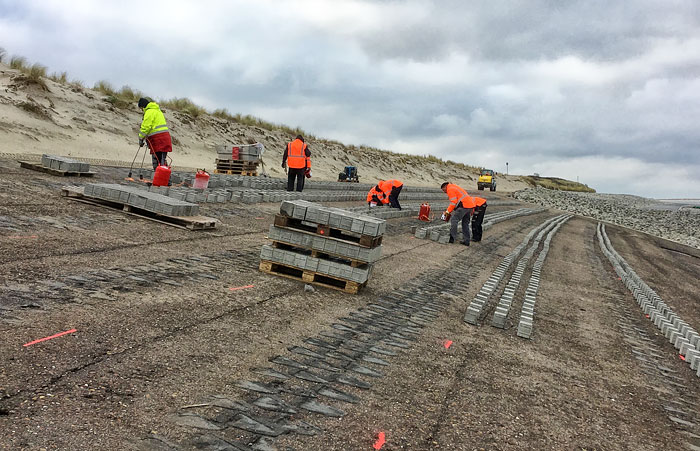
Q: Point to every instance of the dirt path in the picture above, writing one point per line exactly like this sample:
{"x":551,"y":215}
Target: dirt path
{"x":167,"y":356}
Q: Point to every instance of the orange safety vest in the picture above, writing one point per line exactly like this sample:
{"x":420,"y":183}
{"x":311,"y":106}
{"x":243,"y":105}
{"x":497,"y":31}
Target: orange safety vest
{"x":373,"y":192}
{"x":296,"y":157}
{"x":387,"y":185}
{"x":458,"y":195}
{"x":479,"y":201}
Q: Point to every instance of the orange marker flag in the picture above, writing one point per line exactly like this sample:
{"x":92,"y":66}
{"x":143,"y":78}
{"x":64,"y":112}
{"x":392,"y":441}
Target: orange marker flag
{"x":682,"y":358}
{"x":380,"y":441}
{"x":447,"y":344}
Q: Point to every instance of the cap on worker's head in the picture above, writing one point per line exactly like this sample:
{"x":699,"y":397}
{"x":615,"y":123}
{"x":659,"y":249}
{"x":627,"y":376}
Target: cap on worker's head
{"x":444,"y":185}
{"x":143,"y":102}
{"x":300,"y":137}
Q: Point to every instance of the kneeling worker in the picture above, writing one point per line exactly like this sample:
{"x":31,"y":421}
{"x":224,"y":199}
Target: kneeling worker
{"x":478,"y":218}
{"x":391,"y":189}
{"x":460,"y":208}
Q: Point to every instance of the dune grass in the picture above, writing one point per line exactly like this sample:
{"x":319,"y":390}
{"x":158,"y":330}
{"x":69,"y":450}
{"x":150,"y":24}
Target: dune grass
{"x":127,"y":97}
{"x":556,"y":184}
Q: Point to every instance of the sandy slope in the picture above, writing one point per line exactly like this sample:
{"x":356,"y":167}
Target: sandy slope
{"x":82,"y":124}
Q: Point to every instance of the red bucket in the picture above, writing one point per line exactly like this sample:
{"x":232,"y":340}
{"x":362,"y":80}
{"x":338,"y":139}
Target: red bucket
{"x":424,"y":212}
{"x":161,"y":176}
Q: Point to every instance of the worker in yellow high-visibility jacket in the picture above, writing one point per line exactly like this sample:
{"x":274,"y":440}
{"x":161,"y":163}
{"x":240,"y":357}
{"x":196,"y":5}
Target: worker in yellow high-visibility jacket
{"x":154,"y":132}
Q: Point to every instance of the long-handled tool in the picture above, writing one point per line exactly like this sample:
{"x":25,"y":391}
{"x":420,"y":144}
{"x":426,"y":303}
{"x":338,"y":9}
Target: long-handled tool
{"x":128,"y":177}
{"x":142,"y":160}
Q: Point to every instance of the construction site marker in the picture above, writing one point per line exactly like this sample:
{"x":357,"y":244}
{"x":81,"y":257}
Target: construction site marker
{"x":447,"y":344}
{"x":682,"y":357}
{"x":241,"y":288}
{"x":49,"y":338}
{"x":381,"y":440}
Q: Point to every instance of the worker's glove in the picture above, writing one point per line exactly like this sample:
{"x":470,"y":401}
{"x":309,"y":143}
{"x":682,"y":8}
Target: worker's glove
{"x":284,"y":165}
{"x":443,"y":217}
{"x":141,"y":142}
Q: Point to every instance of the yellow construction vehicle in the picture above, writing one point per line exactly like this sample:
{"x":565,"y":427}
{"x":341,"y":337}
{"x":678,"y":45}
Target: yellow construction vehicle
{"x":487,"y":179}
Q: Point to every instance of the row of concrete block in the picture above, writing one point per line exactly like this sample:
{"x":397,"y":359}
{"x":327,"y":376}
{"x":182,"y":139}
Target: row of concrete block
{"x":477,"y":305}
{"x":139,"y":198}
{"x":325,"y":244}
{"x":336,"y":218}
{"x":506,"y":301}
{"x":64,"y":164}
{"x":243,"y":195}
{"x":527,"y":313}
{"x":441,"y":232}
{"x":316,"y":265}
{"x":271,"y":183}
{"x":678,"y":332}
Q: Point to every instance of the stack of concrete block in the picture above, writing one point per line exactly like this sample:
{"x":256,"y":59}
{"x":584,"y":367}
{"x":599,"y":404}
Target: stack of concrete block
{"x":337,"y":257}
{"x":64,"y":164}
{"x":139,"y":198}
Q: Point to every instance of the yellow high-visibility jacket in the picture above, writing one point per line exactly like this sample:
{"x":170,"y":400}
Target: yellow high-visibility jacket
{"x":153,"y":121}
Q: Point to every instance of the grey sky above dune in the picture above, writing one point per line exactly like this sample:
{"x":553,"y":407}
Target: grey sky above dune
{"x":606,"y":92}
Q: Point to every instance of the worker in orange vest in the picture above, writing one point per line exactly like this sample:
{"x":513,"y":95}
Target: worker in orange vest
{"x":391,"y":190}
{"x":295,"y":156}
{"x":478,"y":218}
{"x":376,"y":197}
{"x":460,"y":209}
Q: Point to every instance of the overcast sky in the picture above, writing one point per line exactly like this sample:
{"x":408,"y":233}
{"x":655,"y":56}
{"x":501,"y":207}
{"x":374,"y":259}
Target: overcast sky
{"x":604,"y":92}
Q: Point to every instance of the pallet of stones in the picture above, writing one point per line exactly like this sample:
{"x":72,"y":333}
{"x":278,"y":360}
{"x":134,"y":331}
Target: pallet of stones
{"x":139,"y":202}
{"x":322,"y":245}
{"x":236,"y":167}
{"x":55,"y":165}
{"x":296,"y":266}
{"x":241,"y":152}
{"x":356,"y":228}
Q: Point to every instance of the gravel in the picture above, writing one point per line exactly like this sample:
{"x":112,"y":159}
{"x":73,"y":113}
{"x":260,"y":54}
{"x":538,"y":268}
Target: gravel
{"x":681,"y":225}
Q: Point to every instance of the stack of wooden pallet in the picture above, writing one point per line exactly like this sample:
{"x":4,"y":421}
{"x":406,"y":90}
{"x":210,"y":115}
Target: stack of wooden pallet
{"x":240,"y":159}
{"x":322,"y":245}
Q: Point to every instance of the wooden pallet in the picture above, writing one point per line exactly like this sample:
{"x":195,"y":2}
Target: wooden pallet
{"x":182,"y":222}
{"x":41,"y":168}
{"x":235,"y":163}
{"x":324,"y":280}
{"x":236,"y":172}
{"x":331,"y":232}
{"x":320,"y":254}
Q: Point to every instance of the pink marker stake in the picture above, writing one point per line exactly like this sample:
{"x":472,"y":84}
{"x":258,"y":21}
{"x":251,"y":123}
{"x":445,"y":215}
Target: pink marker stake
{"x":241,"y":288}
{"x":49,"y":338}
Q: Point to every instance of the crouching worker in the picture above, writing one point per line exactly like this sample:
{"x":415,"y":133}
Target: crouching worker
{"x":376,"y":198}
{"x":478,"y":218}
{"x":154,"y":131}
{"x":460,"y":209}
{"x":391,"y":189}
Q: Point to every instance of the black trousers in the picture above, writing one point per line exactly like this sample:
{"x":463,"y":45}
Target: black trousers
{"x":394,"y":197}
{"x":293,"y":173}
{"x":477,"y":220}
{"x":158,"y":158}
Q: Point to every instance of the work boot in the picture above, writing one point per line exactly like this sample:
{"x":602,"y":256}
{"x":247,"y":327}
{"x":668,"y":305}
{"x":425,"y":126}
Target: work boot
{"x":452,"y":240}
{"x":466,"y":243}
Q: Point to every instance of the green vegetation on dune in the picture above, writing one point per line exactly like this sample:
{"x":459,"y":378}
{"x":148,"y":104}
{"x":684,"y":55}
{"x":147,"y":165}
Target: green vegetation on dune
{"x":126,"y":98}
{"x":556,"y":183}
